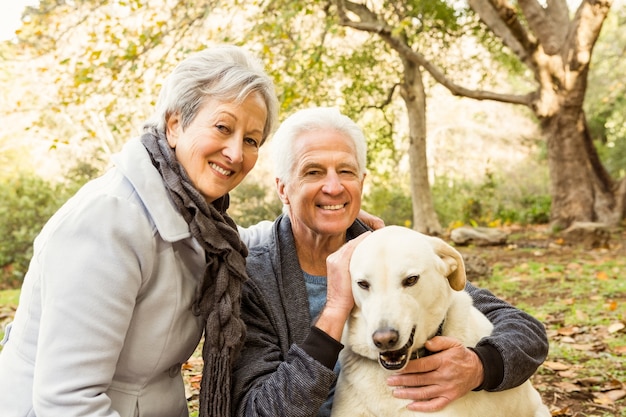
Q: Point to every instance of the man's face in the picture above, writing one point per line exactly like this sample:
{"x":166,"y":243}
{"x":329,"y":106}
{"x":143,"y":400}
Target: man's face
{"x":324,"y":192}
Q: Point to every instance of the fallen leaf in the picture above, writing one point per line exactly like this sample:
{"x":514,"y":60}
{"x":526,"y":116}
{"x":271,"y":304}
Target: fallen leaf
{"x":567,"y":386}
{"x":556,"y":366}
{"x":602,"y":276}
{"x":568,"y":331}
{"x":602,"y":399}
{"x":591,"y":381}
{"x":620,"y":350}
{"x":613,"y":384}
{"x":611,"y":305}
{"x":616,"y":395}
{"x":588,"y":347}
{"x":616,"y":327}
{"x":609,"y":397}
{"x":563,"y":412}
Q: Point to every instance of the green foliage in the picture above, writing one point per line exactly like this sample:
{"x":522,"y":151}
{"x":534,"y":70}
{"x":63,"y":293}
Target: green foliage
{"x":27,"y":201}
{"x":613,"y":153}
{"x":500,"y":198}
{"x":251,"y":202}
{"x":452,"y":200}
{"x":9,"y":297}
{"x":391,"y":203}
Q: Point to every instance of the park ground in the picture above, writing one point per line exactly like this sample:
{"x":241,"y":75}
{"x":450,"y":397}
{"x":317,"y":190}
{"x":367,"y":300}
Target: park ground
{"x":578,"y":292}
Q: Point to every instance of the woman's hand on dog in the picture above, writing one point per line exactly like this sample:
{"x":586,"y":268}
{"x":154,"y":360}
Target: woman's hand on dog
{"x":434,"y":381}
{"x":339,"y":300}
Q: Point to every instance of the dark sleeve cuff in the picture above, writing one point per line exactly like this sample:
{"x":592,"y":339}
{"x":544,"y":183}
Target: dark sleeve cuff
{"x":493,"y":367}
{"x":322,"y":347}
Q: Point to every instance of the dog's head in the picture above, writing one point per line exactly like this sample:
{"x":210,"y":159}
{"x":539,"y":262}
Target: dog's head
{"x":402,"y":283}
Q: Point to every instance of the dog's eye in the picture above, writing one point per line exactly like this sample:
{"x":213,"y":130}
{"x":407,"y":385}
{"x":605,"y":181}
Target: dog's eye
{"x":363,"y":284}
{"x":410,"y":281}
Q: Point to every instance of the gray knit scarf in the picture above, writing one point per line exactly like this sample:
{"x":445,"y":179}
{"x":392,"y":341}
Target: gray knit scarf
{"x":220,"y":298}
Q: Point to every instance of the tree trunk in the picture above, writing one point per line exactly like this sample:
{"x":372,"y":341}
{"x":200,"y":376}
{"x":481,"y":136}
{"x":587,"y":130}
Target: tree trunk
{"x":558,"y":51}
{"x":571,"y":182}
{"x":412,"y":91}
{"x":581,"y":189}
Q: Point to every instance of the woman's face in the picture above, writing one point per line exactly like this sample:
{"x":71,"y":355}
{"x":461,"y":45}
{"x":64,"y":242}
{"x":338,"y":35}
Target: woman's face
{"x":324,"y":192}
{"x":221,"y":144}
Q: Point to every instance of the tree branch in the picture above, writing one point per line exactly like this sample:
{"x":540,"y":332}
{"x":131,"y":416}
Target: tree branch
{"x":550,"y":36}
{"x":502,"y":20}
{"x":369,"y":22}
{"x":559,"y":12}
{"x":585,"y":30}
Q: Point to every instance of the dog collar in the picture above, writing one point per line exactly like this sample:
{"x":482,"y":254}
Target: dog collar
{"x":422,"y":352}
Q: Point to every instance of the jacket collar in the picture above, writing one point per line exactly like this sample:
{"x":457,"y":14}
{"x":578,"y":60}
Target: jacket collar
{"x":135,"y":164}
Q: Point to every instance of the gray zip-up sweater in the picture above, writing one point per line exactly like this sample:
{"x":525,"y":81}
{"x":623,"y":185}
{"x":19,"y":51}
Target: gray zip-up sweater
{"x":286,"y":366}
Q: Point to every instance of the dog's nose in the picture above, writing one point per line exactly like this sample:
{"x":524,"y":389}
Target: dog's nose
{"x":385,"y":338}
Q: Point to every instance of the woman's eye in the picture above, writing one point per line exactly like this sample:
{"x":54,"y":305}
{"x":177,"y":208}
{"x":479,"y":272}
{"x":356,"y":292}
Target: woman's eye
{"x":223,"y":128}
{"x":252,"y":142}
{"x":410,"y":281}
{"x":363,"y":284}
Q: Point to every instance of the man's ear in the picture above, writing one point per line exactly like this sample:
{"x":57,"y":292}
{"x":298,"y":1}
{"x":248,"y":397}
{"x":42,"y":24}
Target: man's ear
{"x":280,"y":189}
{"x":173,"y":129}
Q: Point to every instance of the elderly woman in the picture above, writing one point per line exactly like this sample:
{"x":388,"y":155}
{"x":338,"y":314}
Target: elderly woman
{"x":299,"y":295}
{"x":130,"y":272}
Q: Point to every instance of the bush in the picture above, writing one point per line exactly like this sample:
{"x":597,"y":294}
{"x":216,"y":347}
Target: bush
{"x":391,"y":203}
{"x":252,"y":202}
{"x":27,"y":202}
{"x":498,"y":200}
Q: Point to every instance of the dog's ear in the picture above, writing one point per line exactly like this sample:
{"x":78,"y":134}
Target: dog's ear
{"x":455,"y":268}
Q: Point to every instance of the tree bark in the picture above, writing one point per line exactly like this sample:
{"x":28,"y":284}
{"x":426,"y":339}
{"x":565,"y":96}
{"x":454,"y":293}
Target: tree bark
{"x":412,"y":91}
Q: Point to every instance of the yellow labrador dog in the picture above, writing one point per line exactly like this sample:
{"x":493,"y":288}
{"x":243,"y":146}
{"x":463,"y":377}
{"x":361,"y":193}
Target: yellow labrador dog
{"x":408,"y":287}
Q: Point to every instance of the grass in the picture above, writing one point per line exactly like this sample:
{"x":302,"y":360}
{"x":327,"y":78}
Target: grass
{"x":580,"y":296}
{"x":9,"y":298}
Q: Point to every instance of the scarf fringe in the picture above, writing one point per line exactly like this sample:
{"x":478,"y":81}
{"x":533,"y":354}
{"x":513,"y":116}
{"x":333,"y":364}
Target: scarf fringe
{"x":215,"y":386}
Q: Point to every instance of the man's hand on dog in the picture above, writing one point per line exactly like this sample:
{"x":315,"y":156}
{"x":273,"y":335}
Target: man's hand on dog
{"x":339,"y":300}
{"x":434,"y":381}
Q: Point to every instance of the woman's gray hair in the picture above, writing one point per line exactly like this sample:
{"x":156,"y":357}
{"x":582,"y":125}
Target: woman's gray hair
{"x":307,"y":120}
{"x":224,"y":72}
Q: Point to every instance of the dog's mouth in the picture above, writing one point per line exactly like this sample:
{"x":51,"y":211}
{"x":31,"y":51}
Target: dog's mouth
{"x":396,"y":359}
